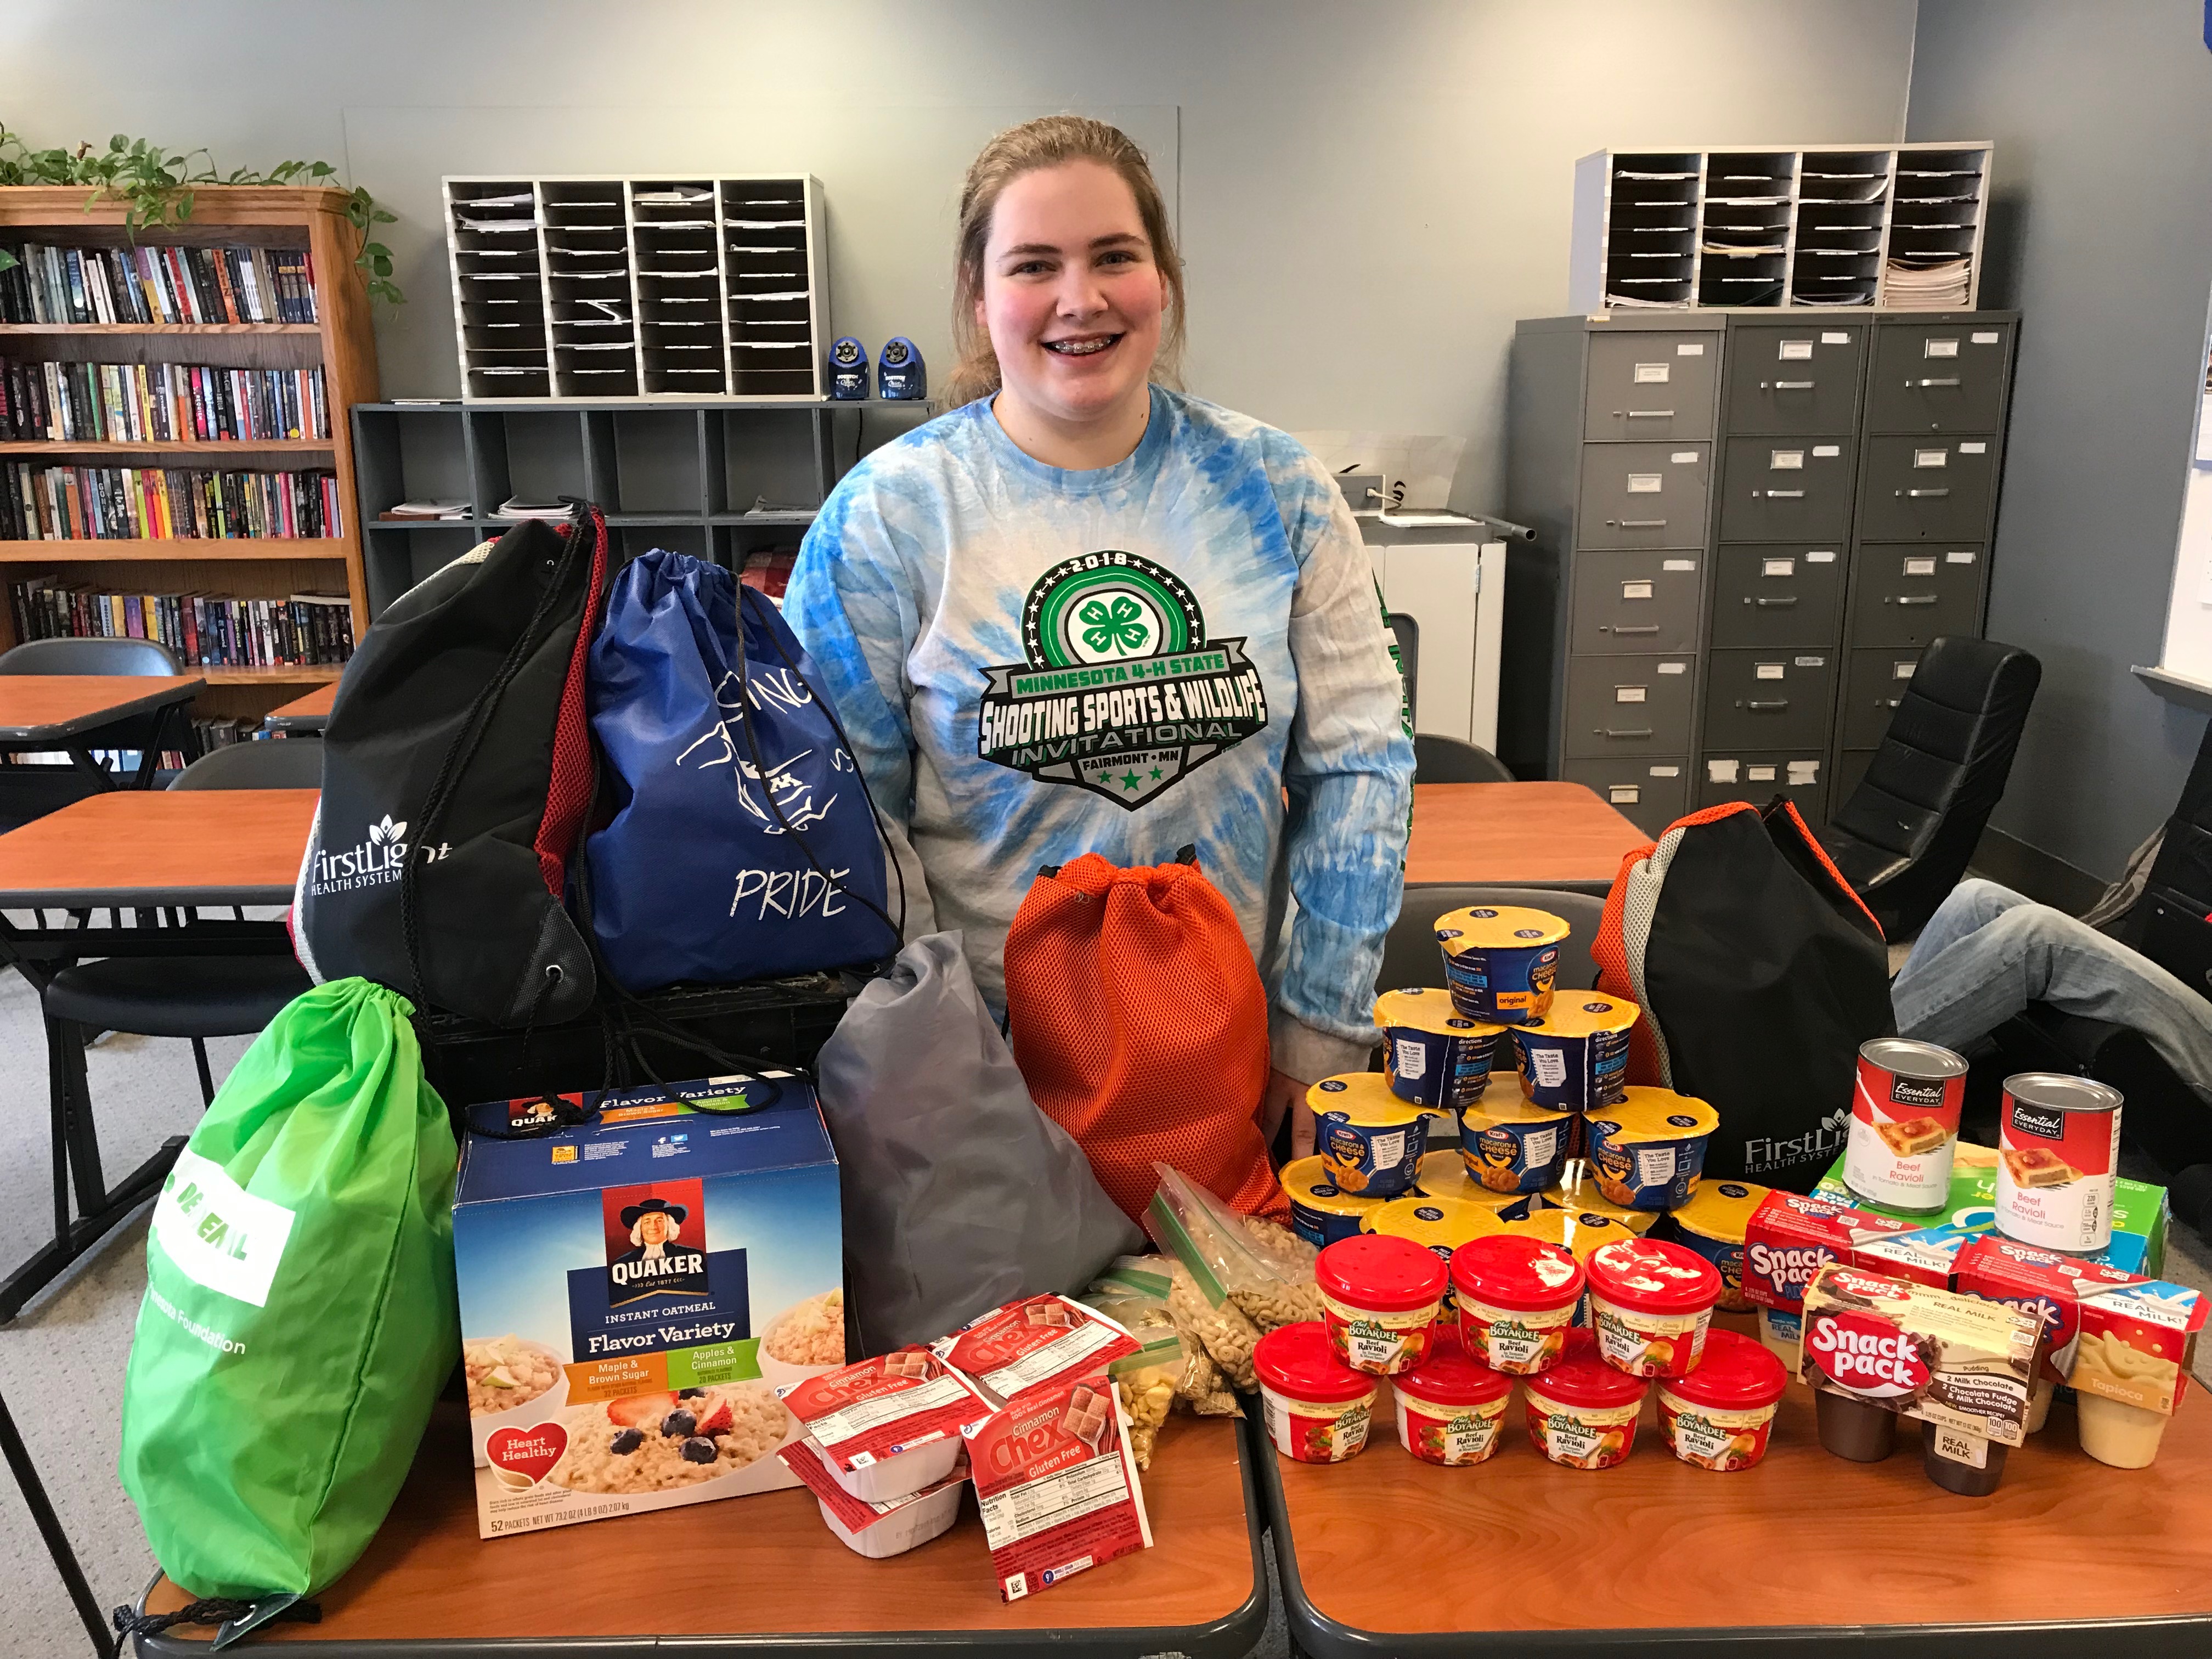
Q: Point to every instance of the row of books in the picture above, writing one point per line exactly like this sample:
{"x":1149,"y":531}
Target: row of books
{"x":147,"y":503}
{"x":213,"y":629}
{"x":213,"y":734}
{"x":151,"y":284}
{"x":159,"y":403}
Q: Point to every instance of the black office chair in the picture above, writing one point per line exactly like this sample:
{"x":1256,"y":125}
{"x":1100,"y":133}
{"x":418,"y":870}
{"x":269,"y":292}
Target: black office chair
{"x":1439,"y":759}
{"x":194,"y":998}
{"x":1407,"y":632}
{"x":32,"y":792}
{"x":1905,"y":837}
{"x":1412,"y":957}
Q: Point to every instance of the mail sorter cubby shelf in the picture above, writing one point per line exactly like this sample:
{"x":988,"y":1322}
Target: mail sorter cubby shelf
{"x":721,"y":478}
{"x":588,"y":288}
{"x":1896,"y":227}
{"x":1749,"y":527}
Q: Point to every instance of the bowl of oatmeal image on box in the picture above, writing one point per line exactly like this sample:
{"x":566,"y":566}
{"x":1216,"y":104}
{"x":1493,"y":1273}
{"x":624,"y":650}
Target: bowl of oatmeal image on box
{"x":645,"y":1281}
{"x":804,"y":1339}
{"x":512,"y":1382}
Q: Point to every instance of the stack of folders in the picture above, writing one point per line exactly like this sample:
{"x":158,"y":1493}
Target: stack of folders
{"x":1925,"y":285}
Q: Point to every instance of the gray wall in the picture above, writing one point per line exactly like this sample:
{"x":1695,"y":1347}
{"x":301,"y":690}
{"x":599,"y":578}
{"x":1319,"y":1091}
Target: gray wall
{"x":1370,"y":194}
{"x":2101,"y":233}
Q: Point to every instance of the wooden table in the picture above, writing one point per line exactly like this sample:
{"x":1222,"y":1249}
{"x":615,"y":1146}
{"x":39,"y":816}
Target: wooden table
{"x":763,"y":1576}
{"x":310,"y":713}
{"x":162,"y":853}
{"x":1525,"y":834}
{"x":65,"y":711}
{"x":1806,"y":1553}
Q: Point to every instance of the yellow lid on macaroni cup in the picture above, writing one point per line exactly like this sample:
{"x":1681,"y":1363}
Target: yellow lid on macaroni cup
{"x":1444,"y":1174}
{"x":1306,"y":1181}
{"x":1581,"y":1231}
{"x":1719,"y":1210}
{"x":1578,"y":1190}
{"x":1425,"y":1009}
{"x":1365,"y":1098}
{"x":1442,"y":1225}
{"x":1499,"y":928}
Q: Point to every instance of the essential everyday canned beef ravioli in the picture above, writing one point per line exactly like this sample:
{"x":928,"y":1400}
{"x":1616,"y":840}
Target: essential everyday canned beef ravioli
{"x":2058,"y":1145}
{"x":1904,"y":1123}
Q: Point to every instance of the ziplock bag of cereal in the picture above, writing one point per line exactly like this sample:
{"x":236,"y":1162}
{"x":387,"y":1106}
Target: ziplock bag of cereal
{"x":300,"y":1314}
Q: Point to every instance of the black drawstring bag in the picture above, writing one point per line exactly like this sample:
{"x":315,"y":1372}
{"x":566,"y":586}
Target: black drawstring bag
{"x":457,"y":775}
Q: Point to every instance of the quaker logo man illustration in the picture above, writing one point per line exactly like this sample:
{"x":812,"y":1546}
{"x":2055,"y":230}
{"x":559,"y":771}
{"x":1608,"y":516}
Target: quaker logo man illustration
{"x":659,"y":1259}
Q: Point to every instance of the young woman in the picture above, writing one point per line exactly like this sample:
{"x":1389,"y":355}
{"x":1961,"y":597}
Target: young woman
{"x":1074,"y":512}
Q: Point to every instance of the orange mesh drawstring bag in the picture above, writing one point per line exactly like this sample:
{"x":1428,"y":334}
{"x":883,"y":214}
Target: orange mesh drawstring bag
{"x":1140,"y":1024}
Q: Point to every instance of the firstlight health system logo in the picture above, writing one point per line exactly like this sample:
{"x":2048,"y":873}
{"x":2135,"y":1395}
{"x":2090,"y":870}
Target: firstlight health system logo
{"x":378,"y":858}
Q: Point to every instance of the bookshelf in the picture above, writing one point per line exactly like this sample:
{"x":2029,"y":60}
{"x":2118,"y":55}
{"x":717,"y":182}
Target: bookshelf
{"x":339,"y":342}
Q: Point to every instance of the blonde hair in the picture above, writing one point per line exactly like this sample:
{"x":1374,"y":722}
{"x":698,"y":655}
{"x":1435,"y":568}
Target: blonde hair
{"x":1051,"y":141}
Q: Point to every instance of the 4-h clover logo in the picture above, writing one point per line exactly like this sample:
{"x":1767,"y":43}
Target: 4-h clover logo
{"x":387,"y":834}
{"x":1117,"y":625}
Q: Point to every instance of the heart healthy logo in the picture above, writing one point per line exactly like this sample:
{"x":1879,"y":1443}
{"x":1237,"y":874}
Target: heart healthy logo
{"x":1121,"y":692}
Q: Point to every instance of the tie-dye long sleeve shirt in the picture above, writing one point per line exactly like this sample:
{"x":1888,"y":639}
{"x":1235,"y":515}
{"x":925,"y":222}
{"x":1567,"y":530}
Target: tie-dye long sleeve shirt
{"x":1182,"y":649}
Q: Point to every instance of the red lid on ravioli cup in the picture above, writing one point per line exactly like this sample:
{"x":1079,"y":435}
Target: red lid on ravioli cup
{"x":1448,"y":1376}
{"x":1734,"y":1374}
{"x":1652,"y":1276}
{"x":1299,"y":1363}
{"x":1382,"y":1272}
{"x":1511,"y":1270}
{"x":1582,"y":1377}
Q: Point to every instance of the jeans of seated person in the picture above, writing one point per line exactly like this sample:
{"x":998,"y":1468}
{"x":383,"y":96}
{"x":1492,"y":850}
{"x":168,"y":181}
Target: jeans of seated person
{"x":1988,"y":953}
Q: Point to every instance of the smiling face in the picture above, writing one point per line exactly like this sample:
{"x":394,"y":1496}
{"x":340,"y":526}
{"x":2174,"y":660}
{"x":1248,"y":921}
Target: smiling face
{"x":654,"y":1228}
{"x":1071,"y":297}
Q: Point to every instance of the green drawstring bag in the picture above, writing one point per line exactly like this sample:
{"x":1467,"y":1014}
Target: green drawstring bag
{"x":299,"y":1316}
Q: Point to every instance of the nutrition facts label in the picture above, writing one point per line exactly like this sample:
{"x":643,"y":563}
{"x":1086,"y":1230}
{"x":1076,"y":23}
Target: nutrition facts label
{"x":1023,"y":1511}
{"x":851,"y":1422}
{"x":1050,"y":1360}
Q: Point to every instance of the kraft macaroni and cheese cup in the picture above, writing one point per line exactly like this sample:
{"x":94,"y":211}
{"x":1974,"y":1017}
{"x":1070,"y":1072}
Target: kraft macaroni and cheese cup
{"x":1712,"y":1224}
{"x":1436,"y":1055}
{"x":1442,"y":1174}
{"x":1582,"y":1231}
{"x":1576,"y":1189}
{"x":1370,"y":1141}
{"x":1718,"y":1417}
{"x":1322,"y":1212}
{"x":1379,"y":1296}
{"x":1574,"y":1057}
{"x":1510,"y":1145}
{"x":1500,"y":961}
{"x":1438,"y":1225}
{"x":1316,"y":1409}
{"x":1647,"y":1148}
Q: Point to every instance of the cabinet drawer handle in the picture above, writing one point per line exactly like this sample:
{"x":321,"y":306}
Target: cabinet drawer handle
{"x":1770,"y":702}
{"x":1786,"y":385}
{"x":1779,"y":605}
{"x":1629,"y":731}
{"x":1913,"y":598}
{"x":1651,"y":414}
{"x":1778,"y":495}
{"x":1917,"y":495}
{"x":1650,"y":627}
{"x":1637,"y":523}
{"x":1947,"y":380}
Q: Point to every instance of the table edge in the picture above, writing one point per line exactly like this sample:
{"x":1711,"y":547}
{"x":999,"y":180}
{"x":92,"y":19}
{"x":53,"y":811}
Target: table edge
{"x":1232,"y":1636}
{"x":1316,"y":1634}
{"x":191,"y":687}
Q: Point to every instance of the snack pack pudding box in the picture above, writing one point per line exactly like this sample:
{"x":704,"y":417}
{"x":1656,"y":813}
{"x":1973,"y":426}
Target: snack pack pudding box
{"x":2140,"y":1213}
{"x":1790,"y":1237}
{"x":2124,"y":1343}
{"x":665,"y":1268}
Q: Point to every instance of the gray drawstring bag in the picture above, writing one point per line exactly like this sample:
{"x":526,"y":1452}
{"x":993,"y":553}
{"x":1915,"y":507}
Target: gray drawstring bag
{"x":959,"y":1194}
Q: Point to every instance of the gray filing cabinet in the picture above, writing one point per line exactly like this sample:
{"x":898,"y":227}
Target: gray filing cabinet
{"x":1749,"y":527}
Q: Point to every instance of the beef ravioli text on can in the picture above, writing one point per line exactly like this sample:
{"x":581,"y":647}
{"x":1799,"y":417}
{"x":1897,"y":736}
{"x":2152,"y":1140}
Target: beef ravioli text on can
{"x":1500,"y":961}
{"x":2058,"y":1141}
{"x":1904,"y":1124}
{"x":1436,"y":1056}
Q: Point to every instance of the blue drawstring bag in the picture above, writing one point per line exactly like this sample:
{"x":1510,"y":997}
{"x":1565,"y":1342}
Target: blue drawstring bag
{"x":743,"y":843}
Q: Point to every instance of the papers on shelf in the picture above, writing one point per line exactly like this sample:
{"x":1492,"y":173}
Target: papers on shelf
{"x":702,"y":271}
{"x":1623,"y":173}
{"x":520,"y":198}
{"x":671,"y":198}
{"x":1632,"y":302}
{"x":1914,"y":201}
{"x":1854,"y":297}
{"x":515,"y":508}
{"x":1632,"y":230}
{"x":598,"y":345}
{"x":1810,"y":174}
{"x":742,"y":247}
{"x":498,"y":225}
{"x":428,"y":510}
{"x":1741,"y":250}
{"x":1912,"y":285}
{"x":779,"y":293}
{"x":676,"y":224}
{"x":1745,"y":201}
{"x":1865,"y":198}
{"x":762,"y":224}
{"x":771,"y":345}
{"x":611,"y":307}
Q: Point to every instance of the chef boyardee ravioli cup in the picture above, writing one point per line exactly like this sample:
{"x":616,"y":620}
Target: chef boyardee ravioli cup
{"x":1379,"y":1296}
{"x":1500,"y":961}
{"x":1370,"y":1141}
{"x":1582,"y":1413}
{"x":1652,"y":1304}
{"x":1647,"y":1148}
{"x":1450,"y":1408}
{"x":1316,"y":1409}
{"x":1574,"y":1057}
{"x":1321,"y":1213}
{"x":1516,"y":1297}
{"x":1718,"y":1417}
{"x":1511,"y":1145}
{"x":1436,"y":1055}
{"x":1712,"y":1224}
